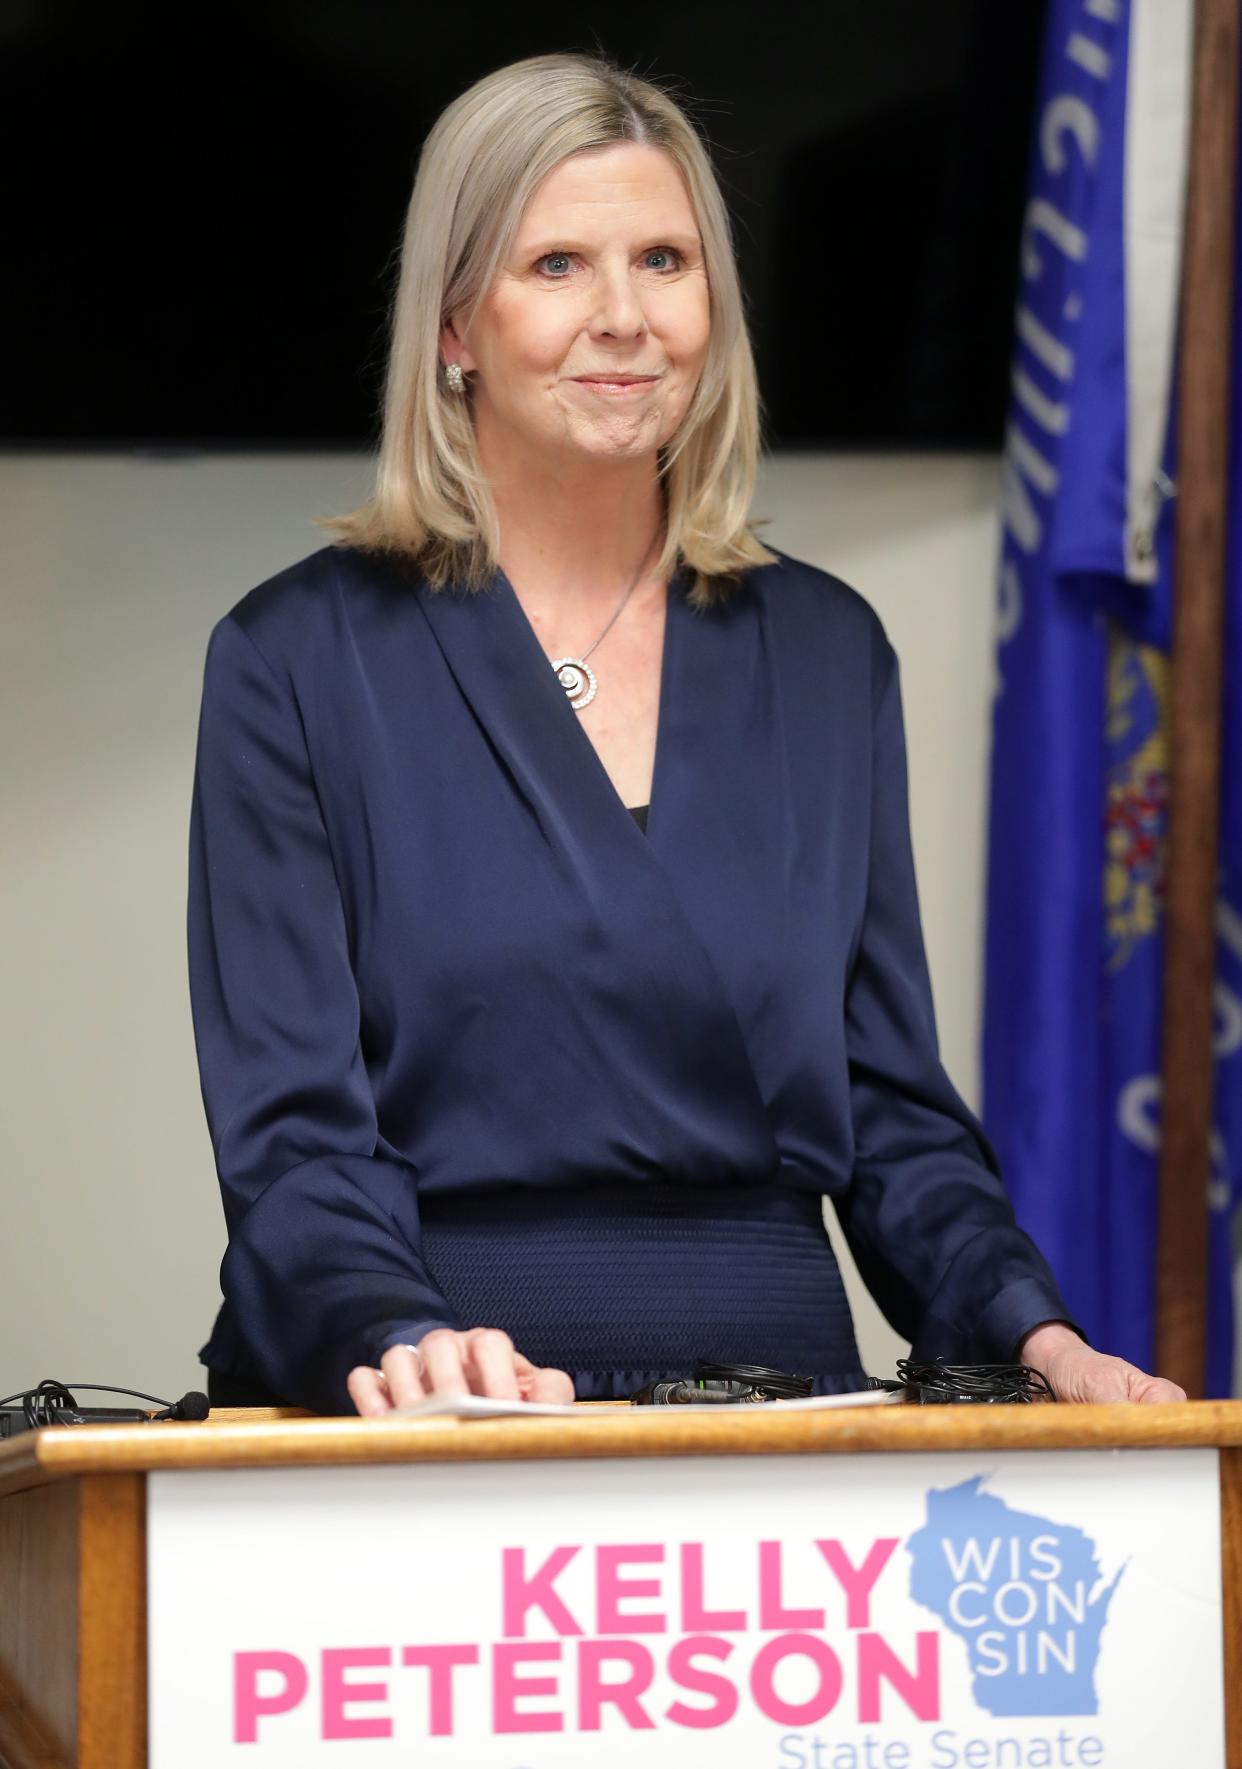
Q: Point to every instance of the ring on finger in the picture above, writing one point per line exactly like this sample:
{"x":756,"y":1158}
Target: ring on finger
{"x":418,"y":1359}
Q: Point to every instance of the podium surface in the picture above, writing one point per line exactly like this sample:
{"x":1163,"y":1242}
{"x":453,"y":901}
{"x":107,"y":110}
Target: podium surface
{"x":820,"y":1590}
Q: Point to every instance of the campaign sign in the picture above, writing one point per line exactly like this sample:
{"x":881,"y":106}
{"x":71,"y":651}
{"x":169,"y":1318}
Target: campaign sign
{"x":942,"y":1611}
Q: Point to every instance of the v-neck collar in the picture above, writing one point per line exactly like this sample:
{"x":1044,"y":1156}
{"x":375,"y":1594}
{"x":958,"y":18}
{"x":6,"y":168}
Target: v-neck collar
{"x":719,"y":791}
{"x":719,"y":831}
{"x":677,"y":610}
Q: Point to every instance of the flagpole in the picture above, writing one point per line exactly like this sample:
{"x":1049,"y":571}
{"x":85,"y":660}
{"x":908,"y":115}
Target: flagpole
{"x":1207,"y":304}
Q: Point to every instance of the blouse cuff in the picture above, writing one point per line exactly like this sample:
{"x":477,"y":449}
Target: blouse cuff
{"x":1004,"y":1267}
{"x":389,"y":1333}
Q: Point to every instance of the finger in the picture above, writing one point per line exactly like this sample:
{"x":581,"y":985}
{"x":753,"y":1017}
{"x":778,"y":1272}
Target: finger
{"x":1090,"y":1377}
{"x":400,"y":1367}
{"x":490,"y":1363}
{"x":1103,"y":1385}
{"x":444,"y":1361}
{"x":534,"y":1384}
{"x":367,"y":1391}
{"x":1155,"y":1389}
{"x":551,"y":1385}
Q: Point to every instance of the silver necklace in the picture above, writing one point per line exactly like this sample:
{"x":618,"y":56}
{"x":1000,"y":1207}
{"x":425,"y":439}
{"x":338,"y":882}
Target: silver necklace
{"x":574,"y":674}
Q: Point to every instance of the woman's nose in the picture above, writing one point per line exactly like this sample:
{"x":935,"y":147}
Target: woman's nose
{"x":618,"y":304}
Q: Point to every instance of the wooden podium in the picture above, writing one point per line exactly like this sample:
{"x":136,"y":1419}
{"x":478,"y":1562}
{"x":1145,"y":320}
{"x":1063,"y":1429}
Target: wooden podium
{"x":73,"y":1509}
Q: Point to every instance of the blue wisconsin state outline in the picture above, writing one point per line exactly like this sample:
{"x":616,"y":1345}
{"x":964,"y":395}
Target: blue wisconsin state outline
{"x":962,"y":1513}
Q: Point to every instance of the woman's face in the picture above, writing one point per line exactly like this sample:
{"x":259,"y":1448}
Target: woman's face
{"x":605,"y":279}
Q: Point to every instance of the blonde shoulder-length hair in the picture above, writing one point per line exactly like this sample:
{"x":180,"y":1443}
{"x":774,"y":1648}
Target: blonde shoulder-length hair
{"x":480,"y":165}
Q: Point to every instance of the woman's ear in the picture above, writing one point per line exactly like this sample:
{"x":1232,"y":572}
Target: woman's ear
{"x":452,"y":349}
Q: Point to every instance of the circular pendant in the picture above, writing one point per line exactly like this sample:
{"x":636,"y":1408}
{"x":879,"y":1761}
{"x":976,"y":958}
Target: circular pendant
{"x":577,"y":679}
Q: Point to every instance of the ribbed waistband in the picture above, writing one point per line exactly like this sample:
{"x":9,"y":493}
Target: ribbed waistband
{"x":622,"y":1284}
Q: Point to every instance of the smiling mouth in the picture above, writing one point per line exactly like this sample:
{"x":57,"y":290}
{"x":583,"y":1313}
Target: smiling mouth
{"x":615,"y":385}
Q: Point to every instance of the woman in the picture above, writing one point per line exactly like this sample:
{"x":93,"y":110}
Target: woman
{"x":554,"y":945}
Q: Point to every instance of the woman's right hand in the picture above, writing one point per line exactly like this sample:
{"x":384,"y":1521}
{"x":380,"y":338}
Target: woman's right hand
{"x":480,"y":1360}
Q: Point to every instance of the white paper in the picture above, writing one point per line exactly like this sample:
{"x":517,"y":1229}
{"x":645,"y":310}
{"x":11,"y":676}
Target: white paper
{"x":483,"y":1406}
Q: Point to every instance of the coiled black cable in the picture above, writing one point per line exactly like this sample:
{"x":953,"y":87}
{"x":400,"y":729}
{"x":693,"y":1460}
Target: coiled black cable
{"x":772,"y":1384}
{"x":938,"y":1383}
{"x":723,"y":1385}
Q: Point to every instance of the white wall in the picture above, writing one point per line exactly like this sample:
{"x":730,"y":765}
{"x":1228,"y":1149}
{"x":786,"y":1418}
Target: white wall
{"x":918,"y":535}
{"x":114,"y":570}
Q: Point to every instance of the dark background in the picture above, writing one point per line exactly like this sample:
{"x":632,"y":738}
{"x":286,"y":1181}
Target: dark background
{"x":205,"y":204}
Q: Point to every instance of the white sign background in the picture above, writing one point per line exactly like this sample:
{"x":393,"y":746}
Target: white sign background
{"x":296,"y":1560}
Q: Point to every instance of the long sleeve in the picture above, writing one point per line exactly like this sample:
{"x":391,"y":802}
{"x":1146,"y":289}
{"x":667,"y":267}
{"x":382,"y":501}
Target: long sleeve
{"x":323,"y":1266}
{"x":926,"y":1214}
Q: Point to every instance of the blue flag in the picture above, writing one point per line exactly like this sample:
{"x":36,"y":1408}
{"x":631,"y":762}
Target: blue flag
{"x":1077,"y":843}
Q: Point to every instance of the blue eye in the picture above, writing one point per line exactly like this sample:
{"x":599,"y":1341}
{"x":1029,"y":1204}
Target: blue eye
{"x":652,"y":251}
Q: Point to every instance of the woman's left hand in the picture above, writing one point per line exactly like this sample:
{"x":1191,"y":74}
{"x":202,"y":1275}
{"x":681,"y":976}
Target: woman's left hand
{"x":1077,"y":1373}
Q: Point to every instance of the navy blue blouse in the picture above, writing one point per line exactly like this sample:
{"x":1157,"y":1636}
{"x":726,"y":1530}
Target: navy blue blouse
{"x":475,"y":1049}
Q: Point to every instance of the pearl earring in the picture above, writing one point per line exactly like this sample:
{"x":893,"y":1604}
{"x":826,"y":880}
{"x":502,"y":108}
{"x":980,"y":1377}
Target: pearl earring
{"x":454,"y":377}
